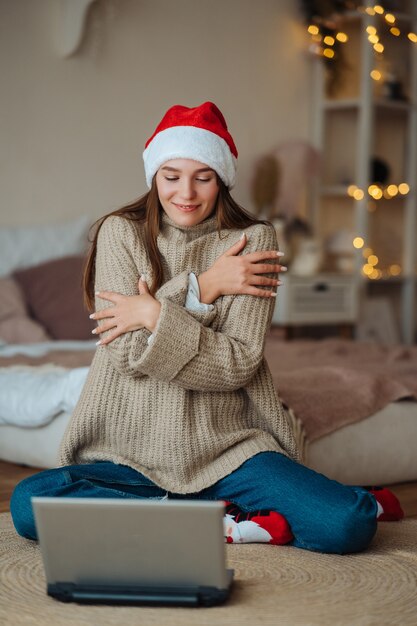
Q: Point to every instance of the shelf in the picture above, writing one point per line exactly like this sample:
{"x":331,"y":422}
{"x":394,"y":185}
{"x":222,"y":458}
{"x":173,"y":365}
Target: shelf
{"x":355,"y":103}
{"x":341,"y":191}
{"x":335,"y":191}
{"x":357,"y":15}
{"x":394,"y":280}
{"x":396,"y":105}
{"x":343,"y":103}
{"x":346,"y":277}
{"x":403,"y":17}
{"x":358,"y":123}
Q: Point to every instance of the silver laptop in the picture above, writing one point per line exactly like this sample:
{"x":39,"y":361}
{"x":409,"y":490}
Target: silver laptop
{"x":113,"y":551}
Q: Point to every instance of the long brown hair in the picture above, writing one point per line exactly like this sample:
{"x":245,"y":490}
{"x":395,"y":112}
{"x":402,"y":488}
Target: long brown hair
{"x":146,"y":210}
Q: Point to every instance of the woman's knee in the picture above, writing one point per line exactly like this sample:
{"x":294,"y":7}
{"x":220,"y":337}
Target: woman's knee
{"x":352,"y":529}
{"x":21,"y":505}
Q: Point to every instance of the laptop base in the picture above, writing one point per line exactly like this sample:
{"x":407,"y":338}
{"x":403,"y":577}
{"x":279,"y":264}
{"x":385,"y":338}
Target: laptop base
{"x":137,"y":595}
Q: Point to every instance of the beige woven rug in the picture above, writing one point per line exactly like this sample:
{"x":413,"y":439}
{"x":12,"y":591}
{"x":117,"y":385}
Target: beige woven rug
{"x":275,"y":585}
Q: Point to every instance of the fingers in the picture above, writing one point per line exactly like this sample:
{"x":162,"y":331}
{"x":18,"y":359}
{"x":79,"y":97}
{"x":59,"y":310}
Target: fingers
{"x":108,"y":339}
{"x":263,"y":293}
{"x":238,"y":246}
{"x":261,"y":255}
{"x":103,"y":328}
{"x":143,"y":285}
{"x":266,"y":282}
{"x":266,"y":268}
{"x":103,"y":314}
{"x":108,"y":295}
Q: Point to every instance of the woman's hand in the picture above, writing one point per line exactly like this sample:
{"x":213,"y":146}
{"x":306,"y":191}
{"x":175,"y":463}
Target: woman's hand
{"x":127,"y":313}
{"x":232,"y":274}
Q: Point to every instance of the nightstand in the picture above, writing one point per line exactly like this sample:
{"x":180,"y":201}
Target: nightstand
{"x":322,"y":299}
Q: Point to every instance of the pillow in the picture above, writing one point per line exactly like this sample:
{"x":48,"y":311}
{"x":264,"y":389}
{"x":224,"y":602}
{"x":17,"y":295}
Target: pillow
{"x":15,"y":324}
{"x":53,"y":293}
{"x":25,"y":247}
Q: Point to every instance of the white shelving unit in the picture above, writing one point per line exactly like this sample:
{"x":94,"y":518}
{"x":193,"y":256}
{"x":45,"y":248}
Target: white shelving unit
{"x":368,"y":124}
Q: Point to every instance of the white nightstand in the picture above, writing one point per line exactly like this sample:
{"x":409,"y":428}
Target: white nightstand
{"x":322,"y":299}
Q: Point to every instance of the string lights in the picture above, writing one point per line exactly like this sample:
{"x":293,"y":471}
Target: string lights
{"x":325,"y":34}
{"x":370,"y":268}
{"x":325,"y":39}
{"x":376,"y":192}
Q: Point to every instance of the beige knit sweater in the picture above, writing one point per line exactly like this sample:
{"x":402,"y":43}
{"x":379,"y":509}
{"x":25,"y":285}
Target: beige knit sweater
{"x":194,"y":404}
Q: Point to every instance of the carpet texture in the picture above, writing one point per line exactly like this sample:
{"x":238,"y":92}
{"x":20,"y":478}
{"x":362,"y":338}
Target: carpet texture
{"x":275,"y":585}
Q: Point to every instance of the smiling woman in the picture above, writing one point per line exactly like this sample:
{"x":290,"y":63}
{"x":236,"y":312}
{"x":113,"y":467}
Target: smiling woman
{"x":179,"y":399}
{"x":187,"y":190}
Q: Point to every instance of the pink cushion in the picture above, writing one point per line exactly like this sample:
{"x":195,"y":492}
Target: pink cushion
{"x":53,"y":293}
{"x":15,"y":324}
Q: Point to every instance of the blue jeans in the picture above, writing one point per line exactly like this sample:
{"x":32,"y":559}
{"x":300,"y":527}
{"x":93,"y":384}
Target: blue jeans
{"x":324,"y":515}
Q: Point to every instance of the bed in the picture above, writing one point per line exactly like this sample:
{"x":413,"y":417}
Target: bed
{"x":352,"y":404}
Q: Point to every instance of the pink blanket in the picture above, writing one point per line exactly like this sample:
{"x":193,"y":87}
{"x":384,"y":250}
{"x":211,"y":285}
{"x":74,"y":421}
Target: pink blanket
{"x":334,"y":382}
{"x":327,"y":384}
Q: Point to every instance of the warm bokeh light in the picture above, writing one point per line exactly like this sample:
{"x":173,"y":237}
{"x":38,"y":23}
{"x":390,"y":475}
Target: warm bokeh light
{"x":412,"y":37}
{"x":378,"y":47}
{"x":373,"y":38}
{"x":390,"y":18}
{"x":370,"y":11}
{"x":395,"y":269}
{"x":358,"y":194}
{"x":395,"y":31}
{"x":351,"y":189}
{"x":376,"y":75}
{"x":375,"y":192}
{"x":313,"y":29}
{"x":366,"y":252}
{"x":367,"y":269}
{"x":329,"y":53}
{"x":379,"y":9}
{"x":342,"y":37}
{"x":358,"y":242}
{"x":392,"y":190}
{"x":403,"y":188}
{"x":371,"y":30}
{"x":373,"y":259}
{"x":328,"y":40}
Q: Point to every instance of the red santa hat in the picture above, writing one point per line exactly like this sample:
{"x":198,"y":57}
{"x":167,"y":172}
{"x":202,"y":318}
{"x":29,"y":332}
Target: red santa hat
{"x":198,"y":133}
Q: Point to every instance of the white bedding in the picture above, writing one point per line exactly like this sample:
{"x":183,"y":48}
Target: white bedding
{"x":32,"y":396}
{"x":40,"y":349}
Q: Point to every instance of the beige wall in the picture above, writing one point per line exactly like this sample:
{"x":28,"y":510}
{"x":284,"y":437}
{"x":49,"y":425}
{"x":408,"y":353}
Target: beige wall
{"x":73,"y":129}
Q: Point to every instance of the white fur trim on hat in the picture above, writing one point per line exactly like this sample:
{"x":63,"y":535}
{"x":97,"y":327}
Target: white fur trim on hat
{"x":190,"y":142}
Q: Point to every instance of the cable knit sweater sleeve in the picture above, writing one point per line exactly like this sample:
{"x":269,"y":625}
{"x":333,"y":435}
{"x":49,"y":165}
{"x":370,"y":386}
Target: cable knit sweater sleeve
{"x":198,"y":358}
{"x":120,"y":260}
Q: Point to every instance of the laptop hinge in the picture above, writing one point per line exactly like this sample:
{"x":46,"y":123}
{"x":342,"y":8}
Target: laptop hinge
{"x":137,"y":595}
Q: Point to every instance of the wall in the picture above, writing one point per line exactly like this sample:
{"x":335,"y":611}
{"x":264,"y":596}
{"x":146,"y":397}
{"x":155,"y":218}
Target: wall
{"x":73,"y":129}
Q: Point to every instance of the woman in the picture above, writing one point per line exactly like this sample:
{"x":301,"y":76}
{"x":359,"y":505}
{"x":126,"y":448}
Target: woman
{"x":179,"y":400}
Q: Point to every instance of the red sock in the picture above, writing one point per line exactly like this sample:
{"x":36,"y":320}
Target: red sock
{"x":255,"y":526}
{"x":389,"y":502}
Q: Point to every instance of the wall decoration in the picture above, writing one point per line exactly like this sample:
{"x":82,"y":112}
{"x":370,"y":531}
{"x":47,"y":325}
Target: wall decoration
{"x":265,"y":185}
{"x":72,"y":20}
